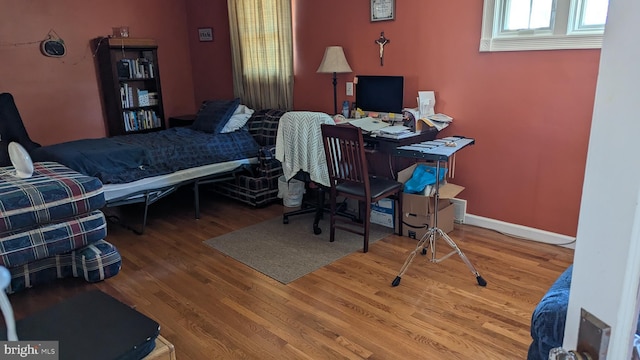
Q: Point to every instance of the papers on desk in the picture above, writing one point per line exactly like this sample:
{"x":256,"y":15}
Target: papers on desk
{"x":382,"y":128}
{"x":394,"y":130}
{"x":397,"y":132}
{"x":369,"y":124}
{"x":440,"y":118}
{"x":438,"y":121}
{"x":434,"y":123}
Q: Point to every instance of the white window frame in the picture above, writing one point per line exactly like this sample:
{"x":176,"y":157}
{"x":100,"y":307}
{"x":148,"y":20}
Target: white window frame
{"x":563,"y":35}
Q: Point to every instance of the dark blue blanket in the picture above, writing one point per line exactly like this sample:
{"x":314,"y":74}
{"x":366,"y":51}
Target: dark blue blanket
{"x":126,"y":158}
{"x":95,"y":157}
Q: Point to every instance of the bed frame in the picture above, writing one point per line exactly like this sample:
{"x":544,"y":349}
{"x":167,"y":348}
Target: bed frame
{"x":237,"y":175}
{"x":149,"y":196}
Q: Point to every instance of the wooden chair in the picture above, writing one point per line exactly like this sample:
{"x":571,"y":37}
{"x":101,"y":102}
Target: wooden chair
{"x":349,"y":177}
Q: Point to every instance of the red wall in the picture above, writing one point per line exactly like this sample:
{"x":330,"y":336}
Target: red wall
{"x":211,"y":61}
{"x":59,"y":98}
{"x":530,"y":112}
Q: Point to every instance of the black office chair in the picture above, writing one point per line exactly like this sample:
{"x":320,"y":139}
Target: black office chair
{"x":299,"y":147}
{"x":316,"y":207}
{"x":349,"y":177}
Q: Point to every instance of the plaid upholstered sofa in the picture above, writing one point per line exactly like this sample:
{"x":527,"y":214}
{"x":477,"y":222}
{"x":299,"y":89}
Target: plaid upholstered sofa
{"x":51,"y":227}
{"x":258,"y":184}
{"x":50,"y":223}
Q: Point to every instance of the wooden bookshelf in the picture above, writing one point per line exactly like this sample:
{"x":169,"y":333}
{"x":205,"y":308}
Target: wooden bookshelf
{"x":130,"y":83}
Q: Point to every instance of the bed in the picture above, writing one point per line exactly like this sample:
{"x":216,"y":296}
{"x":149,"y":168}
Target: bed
{"x":144,"y":167}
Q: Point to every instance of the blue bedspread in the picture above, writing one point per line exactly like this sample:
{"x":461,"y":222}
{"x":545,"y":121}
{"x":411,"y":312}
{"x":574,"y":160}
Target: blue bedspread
{"x":127,"y":158}
{"x":95,"y":157}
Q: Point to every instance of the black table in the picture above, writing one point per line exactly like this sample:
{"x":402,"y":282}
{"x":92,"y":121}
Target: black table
{"x":91,"y":325}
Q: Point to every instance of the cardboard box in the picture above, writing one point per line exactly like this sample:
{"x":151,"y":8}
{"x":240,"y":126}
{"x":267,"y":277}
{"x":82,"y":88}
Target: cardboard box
{"x":416,"y":226}
{"x":419,"y":204}
{"x":383,"y":213}
{"x":164,"y":350}
{"x":418,"y":209}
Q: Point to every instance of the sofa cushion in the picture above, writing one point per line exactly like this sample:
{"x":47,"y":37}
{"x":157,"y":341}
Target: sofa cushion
{"x":22,"y":247}
{"x":54,"y":193}
{"x":263,"y":126}
{"x":12,"y":129}
{"x":95,"y":262}
{"x":214,"y":115}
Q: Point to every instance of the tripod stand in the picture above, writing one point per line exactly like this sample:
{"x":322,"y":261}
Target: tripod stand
{"x":437,"y":150}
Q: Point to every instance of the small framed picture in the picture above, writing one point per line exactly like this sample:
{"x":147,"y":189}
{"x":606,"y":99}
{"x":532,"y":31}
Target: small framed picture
{"x":205,"y":34}
{"x":382,"y":10}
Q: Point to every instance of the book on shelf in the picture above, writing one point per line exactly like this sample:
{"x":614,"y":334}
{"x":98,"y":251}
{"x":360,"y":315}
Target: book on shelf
{"x":130,"y":101}
{"x":143,"y":97}
{"x":123,"y":97}
{"x":123,"y":68}
{"x":131,"y":96}
{"x":153,"y":98}
{"x":140,"y":68}
{"x":140,"y":120}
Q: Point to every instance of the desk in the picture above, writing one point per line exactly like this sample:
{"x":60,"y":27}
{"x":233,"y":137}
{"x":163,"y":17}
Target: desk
{"x":381,"y":152}
{"x":299,"y":147}
{"x":388,"y":145}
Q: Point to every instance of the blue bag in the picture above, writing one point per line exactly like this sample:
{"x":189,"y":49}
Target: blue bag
{"x":422,"y":176}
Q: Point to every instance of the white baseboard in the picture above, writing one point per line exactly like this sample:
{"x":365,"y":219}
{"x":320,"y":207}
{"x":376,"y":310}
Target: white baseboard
{"x":520,"y":231}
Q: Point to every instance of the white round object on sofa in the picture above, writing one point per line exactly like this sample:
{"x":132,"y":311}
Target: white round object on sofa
{"x":21,"y":160}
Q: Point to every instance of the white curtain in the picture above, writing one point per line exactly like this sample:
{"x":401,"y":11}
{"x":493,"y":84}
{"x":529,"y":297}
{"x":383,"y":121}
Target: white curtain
{"x":262,"y":52}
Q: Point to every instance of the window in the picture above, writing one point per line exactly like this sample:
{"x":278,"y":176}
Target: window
{"x":513,"y":25}
{"x":262,"y":52}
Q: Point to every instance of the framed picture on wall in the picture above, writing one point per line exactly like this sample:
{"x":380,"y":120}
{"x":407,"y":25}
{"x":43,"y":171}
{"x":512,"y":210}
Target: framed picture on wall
{"x":205,"y":34}
{"x":382,"y":10}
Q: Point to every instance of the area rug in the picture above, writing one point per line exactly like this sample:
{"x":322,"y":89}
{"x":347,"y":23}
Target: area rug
{"x":286,"y":252}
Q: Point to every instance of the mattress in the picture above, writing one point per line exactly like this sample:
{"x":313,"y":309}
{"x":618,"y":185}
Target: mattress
{"x":128,"y":158}
{"x":131,"y":190}
{"x":53,"y":193}
{"x":22,"y":247}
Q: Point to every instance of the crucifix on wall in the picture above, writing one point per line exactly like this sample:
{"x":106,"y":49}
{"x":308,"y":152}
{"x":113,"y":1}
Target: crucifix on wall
{"x":382,"y":41}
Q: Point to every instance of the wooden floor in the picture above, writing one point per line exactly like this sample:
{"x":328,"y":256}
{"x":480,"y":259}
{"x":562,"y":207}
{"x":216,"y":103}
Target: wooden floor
{"x":213,"y":307}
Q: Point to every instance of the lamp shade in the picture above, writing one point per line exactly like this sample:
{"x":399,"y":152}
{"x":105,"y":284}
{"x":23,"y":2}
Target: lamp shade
{"x":334,"y":61}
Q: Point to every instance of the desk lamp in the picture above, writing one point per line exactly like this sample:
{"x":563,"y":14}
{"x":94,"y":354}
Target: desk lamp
{"x":334,"y":62}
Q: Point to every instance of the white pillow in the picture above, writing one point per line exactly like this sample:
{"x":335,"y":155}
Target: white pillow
{"x":238,"y":119}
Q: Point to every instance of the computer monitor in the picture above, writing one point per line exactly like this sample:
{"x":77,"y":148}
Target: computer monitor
{"x":380,"y":93}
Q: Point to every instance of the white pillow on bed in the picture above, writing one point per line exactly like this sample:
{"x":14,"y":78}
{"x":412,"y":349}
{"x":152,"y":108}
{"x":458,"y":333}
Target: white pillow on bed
{"x":238,"y":119}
